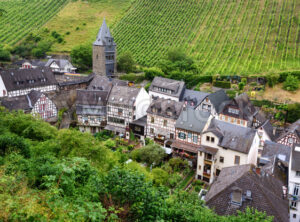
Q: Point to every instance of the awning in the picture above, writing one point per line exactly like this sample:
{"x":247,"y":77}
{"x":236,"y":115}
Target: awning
{"x":208,"y":149}
{"x":115,"y":128}
{"x":184,"y":146}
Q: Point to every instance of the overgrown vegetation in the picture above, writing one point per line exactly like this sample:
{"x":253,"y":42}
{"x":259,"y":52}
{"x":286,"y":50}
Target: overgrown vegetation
{"x":66,"y":175}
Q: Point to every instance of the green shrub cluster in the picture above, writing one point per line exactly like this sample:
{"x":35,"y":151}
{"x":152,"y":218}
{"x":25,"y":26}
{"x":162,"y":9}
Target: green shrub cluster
{"x":222,"y":84}
{"x":66,"y":175}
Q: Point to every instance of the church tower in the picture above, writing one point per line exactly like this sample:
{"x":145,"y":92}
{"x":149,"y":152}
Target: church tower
{"x":104,"y":53}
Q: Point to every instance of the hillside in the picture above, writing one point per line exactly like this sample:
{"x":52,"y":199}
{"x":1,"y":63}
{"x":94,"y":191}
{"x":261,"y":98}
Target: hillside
{"x":82,"y":20}
{"x":23,"y":16}
{"x":224,"y":36}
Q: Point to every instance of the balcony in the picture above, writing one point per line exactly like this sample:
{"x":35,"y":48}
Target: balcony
{"x":208,"y":157}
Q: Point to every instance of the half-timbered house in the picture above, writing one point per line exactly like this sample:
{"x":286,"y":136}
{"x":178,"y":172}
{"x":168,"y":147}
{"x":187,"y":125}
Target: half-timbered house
{"x":91,"y":110}
{"x":162,"y":115}
{"x":18,"y":82}
{"x":192,"y":98}
{"x":166,"y":88}
{"x":32,"y":64}
{"x":291,"y":135}
{"x":188,"y":129}
{"x":60,"y":66}
{"x":35,"y":102}
{"x":125,"y":104}
{"x":212,"y":102}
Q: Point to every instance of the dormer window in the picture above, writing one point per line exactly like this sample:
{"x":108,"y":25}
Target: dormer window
{"x":236,"y":197}
{"x":233,"y":111}
{"x":169,"y":113}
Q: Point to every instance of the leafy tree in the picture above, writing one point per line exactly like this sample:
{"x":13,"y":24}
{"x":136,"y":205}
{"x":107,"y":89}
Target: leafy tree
{"x":82,"y":57}
{"x":41,"y":49}
{"x":178,"y":164}
{"x":272,"y":79}
{"x":293,"y":112}
{"x":151,"y":72}
{"x":291,"y":83}
{"x":4,"y":54}
{"x":150,"y":154}
{"x":126,"y":62}
{"x":160,"y":176}
{"x":133,"y":197}
{"x":11,"y":143}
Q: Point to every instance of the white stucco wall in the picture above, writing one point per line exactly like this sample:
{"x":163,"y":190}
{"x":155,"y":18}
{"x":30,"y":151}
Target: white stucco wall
{"x":2,"y":88}
{"x":227,"y":154}
{"x":142,"y":103}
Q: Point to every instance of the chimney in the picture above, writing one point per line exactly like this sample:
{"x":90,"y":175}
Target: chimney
{"x":257,"y":170}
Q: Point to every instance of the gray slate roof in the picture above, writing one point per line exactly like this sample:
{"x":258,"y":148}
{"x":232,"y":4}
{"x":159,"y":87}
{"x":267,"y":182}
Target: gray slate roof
{"x":91,"y":102}
{"x":267,"y":126}
{"x":266,"y":192}
{"x":164,"y":106}
{"x":192,"y":120}
{"x":218,"y":98}
{"x":25,"y":102}
{"x":22,"y":76}
{"x":247,"y":111}
{"x":104,"y":83}
{"x":103,"y":35}
{"x":293,"y":128}
{"x":232,"y":136}
{"x":192,"y":96}
{"x":37,"y":63}
{"x":91,"y":97}
{"x":60,"y":62}
{"x":274,"y":150}
{"x":176,"y":86}
{"x":123,"y":95}
{"x":295,"y":158}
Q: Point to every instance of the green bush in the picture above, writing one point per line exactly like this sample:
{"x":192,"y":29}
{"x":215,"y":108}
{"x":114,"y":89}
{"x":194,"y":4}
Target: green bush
{"x":293,"y":112}
{"x":244,"y":80}
{"x":284,"y":75}
{"x":160,"y":176}
{"x":151,"y":72}
{"x":178,"y":164}
{"x":125,"y":62}
{"x":131,"y":77}
{"x":241,"y":85}
{"x":198,"y":188}
{"x":174,"y":179}
{"x":291,"y":83}
{"x":4,"y":54}
{"x":222,"y":84}
{"x":272,"y":79}
{"x":82,"y":57}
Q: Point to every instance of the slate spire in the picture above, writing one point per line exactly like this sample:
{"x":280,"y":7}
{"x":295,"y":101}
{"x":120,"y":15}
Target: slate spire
{"x":104,"y":35}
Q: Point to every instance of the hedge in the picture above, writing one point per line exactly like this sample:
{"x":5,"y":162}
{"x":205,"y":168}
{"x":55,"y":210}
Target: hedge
{"x":131,"y":77}
{"x":284,"y":75}
{"x":222,"y":84}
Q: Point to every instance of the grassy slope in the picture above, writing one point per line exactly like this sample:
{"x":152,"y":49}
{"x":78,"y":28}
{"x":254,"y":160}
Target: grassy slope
{"x":76,"y":14}
{"x":224,"y":36}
